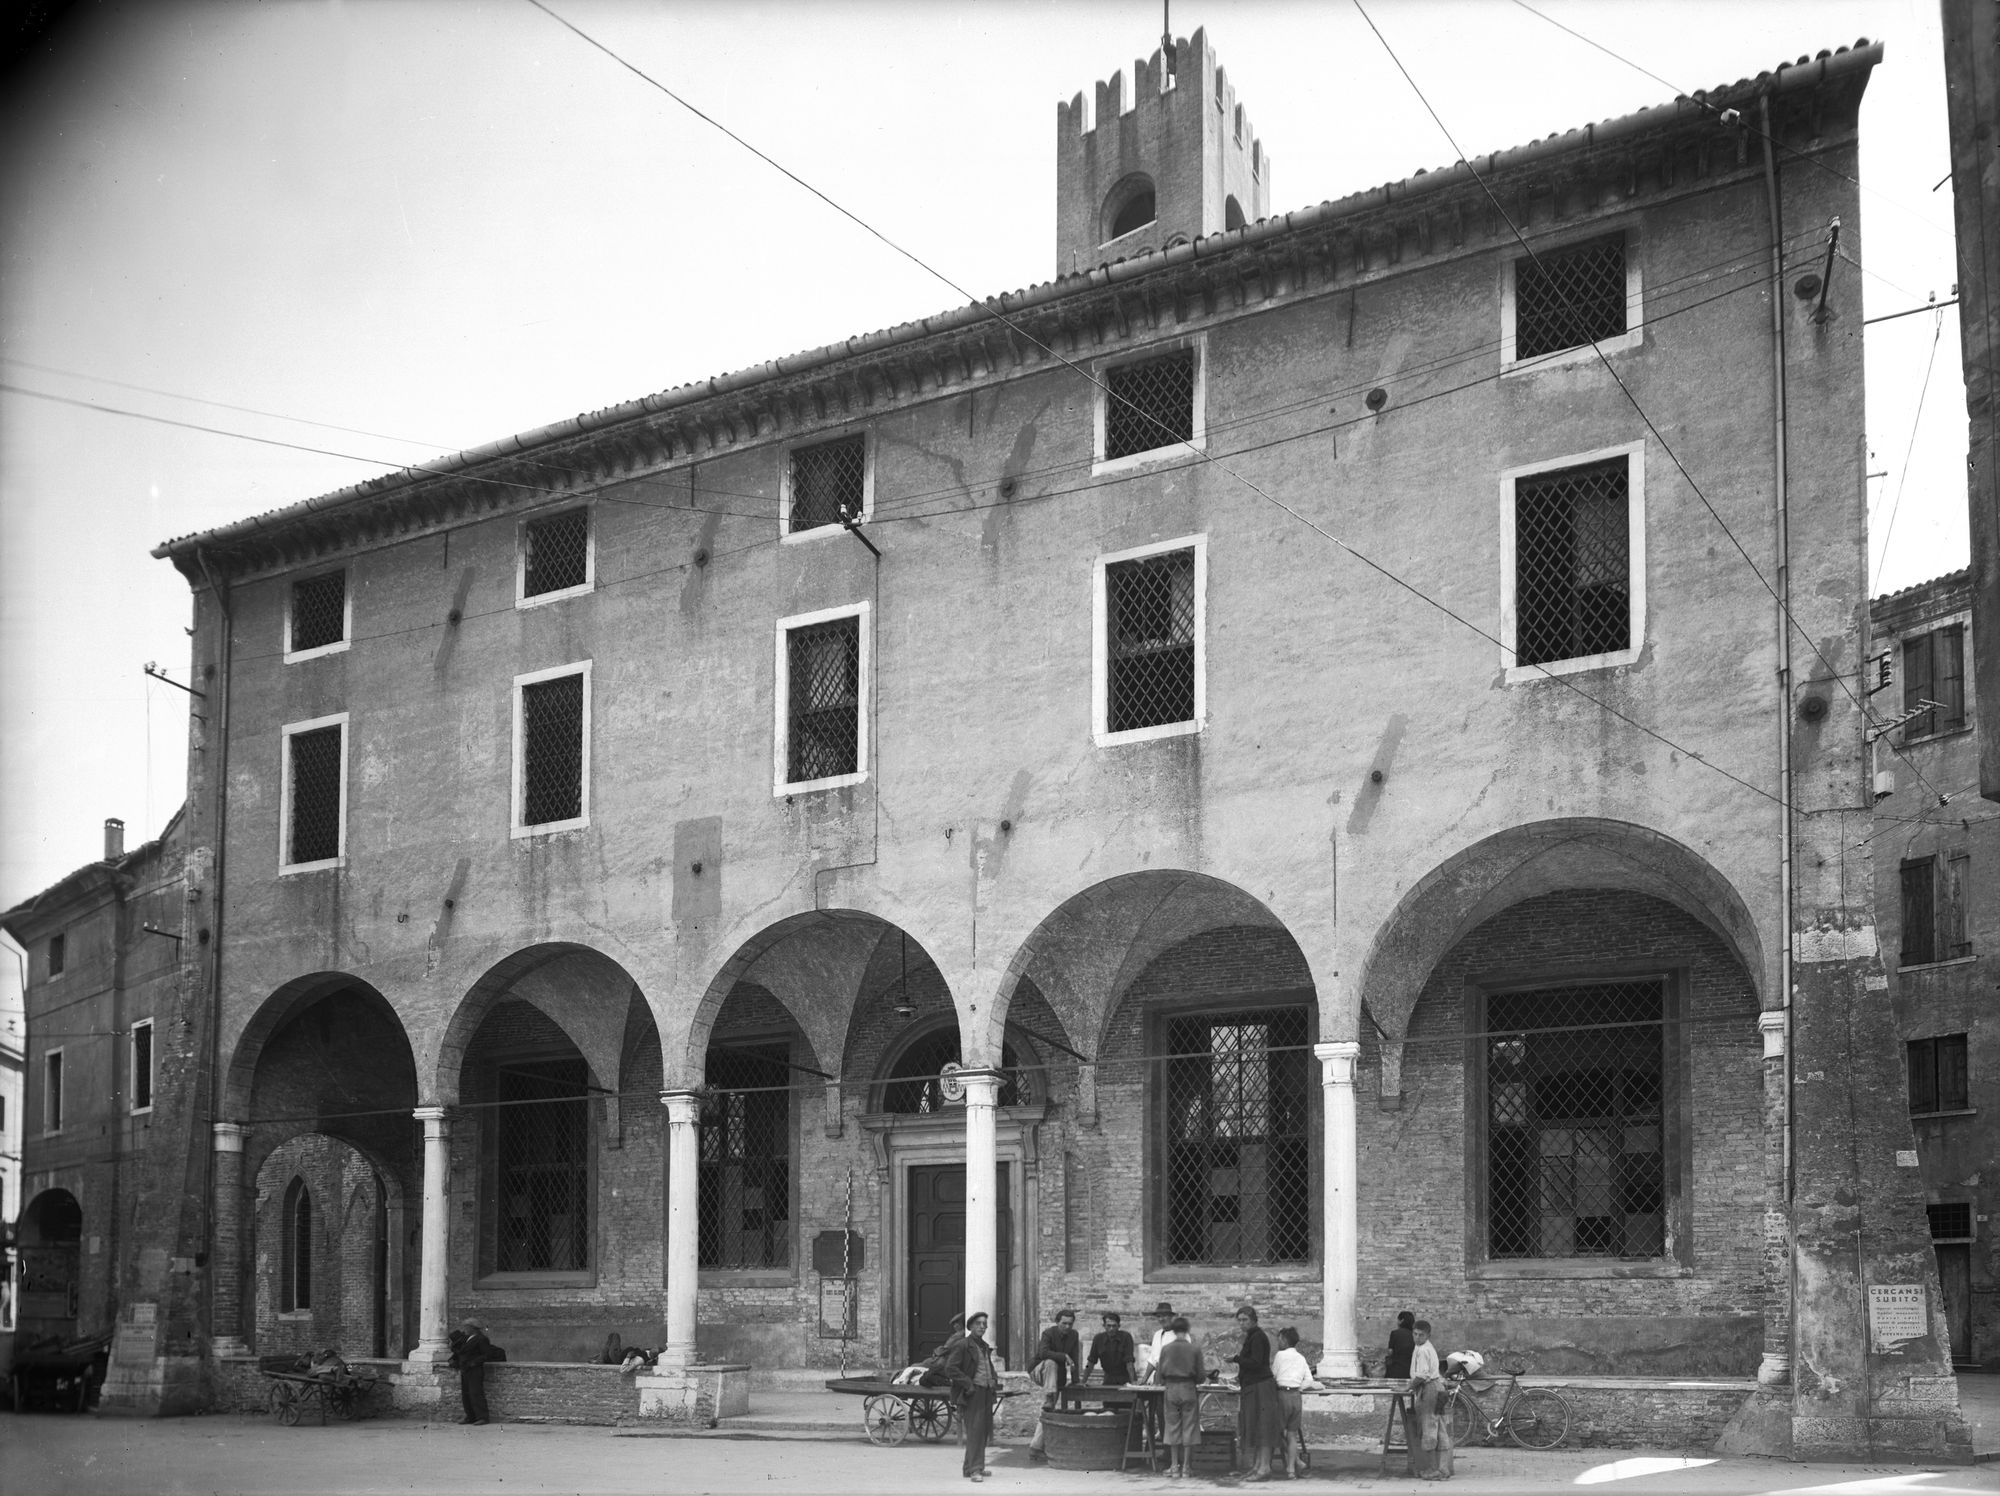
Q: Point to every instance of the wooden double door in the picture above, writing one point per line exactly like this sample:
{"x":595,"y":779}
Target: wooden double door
{"x":937,"y":1257}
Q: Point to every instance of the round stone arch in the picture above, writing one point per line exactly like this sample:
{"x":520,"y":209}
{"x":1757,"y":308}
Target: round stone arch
{"x":587,"y":994}
{"x":1130,"y":205}
{"x":284,"y":1004}
{"x":1087,"y":951}
{"x":800,"y":960}
{"x":1524,"y":862}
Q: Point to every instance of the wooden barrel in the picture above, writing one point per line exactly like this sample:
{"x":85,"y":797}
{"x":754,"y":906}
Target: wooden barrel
{"x":1084,"y":1441}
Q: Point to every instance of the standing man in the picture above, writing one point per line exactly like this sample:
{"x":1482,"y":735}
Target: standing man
{"x":1111,"y":1348}
{"x":1054,"y":1368}
{"x":976,"y":1385}
{"x":473,"y":1352}
{"x":1180,"y":1371}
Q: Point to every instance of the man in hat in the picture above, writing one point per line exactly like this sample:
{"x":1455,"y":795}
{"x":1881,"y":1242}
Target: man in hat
{"x":470,"y":1357}
{"x":1164,"y":1313}
{"x":975,"y":1384}
{"x":1054,"y":1368}
{"x":1111,"y":1348}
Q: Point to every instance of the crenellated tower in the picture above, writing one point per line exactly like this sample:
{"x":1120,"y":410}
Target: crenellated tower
{"x":1169,"y":161}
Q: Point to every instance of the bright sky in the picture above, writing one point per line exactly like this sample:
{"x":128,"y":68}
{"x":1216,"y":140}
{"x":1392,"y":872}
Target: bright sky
{"x":443,"y":221}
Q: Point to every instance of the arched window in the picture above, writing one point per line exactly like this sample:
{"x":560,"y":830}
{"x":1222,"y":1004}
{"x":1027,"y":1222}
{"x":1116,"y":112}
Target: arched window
{"x":1129,"y":206}
{"x":745,"y":1202}
{"x":913,"y":1081}
{"x":1232,"y":213}
{"x":295,"y":1265}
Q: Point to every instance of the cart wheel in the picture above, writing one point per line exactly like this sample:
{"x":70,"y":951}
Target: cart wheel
{"x":888,"y":1419}
{"x":931,"y":1418}
{"x":280,"y":1396}
{"x":290,"y":1412}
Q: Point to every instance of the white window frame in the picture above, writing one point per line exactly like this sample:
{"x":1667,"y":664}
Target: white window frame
{"x":293,"y":656}
{"x":782,"y":701}
{"x":521,"y":828}
{"x":1634,"y":454}
{"x":1177,"y":451}
{"x":1100,"y":657}
{"x":53,"y":1097}
{"x":287,"y":732}
{"x":589,"y":582}
{"x":132,"y":1065}
{"x":788,"y":536}
{"x":1634,"y":335}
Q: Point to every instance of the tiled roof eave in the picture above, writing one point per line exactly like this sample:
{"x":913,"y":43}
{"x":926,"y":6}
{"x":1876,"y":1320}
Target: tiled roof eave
{"x":637,"y":434}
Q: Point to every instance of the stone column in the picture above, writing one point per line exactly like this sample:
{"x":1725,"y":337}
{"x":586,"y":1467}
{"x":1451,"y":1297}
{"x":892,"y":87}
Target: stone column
{"x":434,"y":1266}
{"x":1341,"y":1250}
{"x":683,"y":1226}
{"x":1775,"y":1369}
{"x":226,"y":1313}
{"x":982,"y":1207}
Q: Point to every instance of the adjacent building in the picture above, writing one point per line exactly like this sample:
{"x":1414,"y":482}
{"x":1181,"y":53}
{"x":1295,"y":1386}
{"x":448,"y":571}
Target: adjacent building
{"x":1266,"y":768}
{"x":98,"y":1170}
{"x":1940,"y":930}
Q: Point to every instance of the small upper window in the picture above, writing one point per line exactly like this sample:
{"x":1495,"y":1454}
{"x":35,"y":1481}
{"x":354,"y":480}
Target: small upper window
{"x":1951,"y":1220}
{"x":1564,"y":298}
{"x":1934,"y":671}
{"x":552,"y":749}
{"x":1150,"y":405}
{"x":52,"y":1091}
{"x":826,"y":484}
{"x":142,"y":1065}
{"x":1129,"y":206}
{"x":1938,"y":1080}
{"x":1574,"y":565}
{"x":822,"y":685}
{"x":1149,"y":664}
{"x":318,"y":622}
{"x":315,"y":793}
{"x":556,"y":556}
{"x":1232,"y":213}
{"x":58,"y":954}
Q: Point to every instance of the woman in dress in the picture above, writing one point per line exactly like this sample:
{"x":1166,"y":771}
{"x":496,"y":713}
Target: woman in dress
{"x":1259,"y":1425}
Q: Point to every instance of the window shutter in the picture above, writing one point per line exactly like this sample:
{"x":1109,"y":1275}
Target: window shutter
{"x":1923,"y":1075}
{"x":1956,"y":939}
{"x":1948,"y":676}
{"x":1917,"y":684}
{"x":1952,"y":1092}
{"x":1919,"y":914}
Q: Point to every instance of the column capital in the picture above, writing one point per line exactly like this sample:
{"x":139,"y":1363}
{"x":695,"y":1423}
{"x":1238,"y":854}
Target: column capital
{"x":682,"y":1106}
{"x":1771,"y":1024}
{"x":1336,"y":1061}
{"x":436,"y":1120}
{"x":229,"y":1137}
{"x":982,"y":1087}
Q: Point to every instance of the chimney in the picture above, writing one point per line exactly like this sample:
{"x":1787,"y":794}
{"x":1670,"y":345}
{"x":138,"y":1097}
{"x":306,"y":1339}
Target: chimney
{"x":114,"y":839}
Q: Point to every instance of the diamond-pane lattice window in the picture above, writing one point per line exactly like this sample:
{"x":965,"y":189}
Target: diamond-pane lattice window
{"x":1573,"y":562}
{"x":829,"y":482}
{"x":1236,"y":1119}
{"x":914,"y":1088}
{"x":1575,"y":1121}
{"x":552,"y":750}
{"x":1951,"y":1221}
{"x":555,"y":553}
{"x":746,"y":1158}
{"x":1149,"y":404}
{"x":1564,"y":298}
{"x":314,"y":833}
{"x":823,"y":700}
{"x":542,"y":1166}
{"x":1149,"y":641}
{"x":319,"y":611}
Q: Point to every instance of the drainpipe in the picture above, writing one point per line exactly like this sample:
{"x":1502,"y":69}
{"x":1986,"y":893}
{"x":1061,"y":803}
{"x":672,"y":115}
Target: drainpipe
{"x":221,"y":791}
{"x":1784,"y":622}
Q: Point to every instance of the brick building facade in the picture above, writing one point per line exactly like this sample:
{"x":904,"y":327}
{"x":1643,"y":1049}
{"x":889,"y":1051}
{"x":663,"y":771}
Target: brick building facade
{"x":1941,"y":938}
{"x":923,"y":823}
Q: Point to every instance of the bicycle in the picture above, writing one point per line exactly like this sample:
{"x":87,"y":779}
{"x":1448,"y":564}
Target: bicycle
{"x":1535,"y":1418}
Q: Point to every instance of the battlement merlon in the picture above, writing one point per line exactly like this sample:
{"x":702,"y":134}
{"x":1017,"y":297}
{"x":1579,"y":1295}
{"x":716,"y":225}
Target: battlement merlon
{"x":1152,"y":86}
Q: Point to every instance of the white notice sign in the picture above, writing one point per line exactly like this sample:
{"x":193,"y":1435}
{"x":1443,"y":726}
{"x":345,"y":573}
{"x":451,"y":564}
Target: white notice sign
{"x":1897,"y":1314}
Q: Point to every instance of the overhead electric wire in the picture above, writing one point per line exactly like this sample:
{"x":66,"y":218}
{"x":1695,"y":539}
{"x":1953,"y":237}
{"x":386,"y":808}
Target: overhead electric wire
{"x":1714,"y":109}
{"x":1916,"y":423}
{"x":1203,"y":456}
{"x":1665,"y":446}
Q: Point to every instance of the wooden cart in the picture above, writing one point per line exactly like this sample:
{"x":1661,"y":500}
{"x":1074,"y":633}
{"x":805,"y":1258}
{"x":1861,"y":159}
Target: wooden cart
{"x":891,"y":1410}
{"x":299,"y":1384}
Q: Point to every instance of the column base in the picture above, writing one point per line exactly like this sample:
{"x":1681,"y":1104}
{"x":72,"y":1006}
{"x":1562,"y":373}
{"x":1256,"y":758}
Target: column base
{"x":696,"y":1395}
{"x":228,"y":1345}
{"x":1336,"y":1363}
{"x":1775,"y":1370}
{"x":419,"y":1384}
